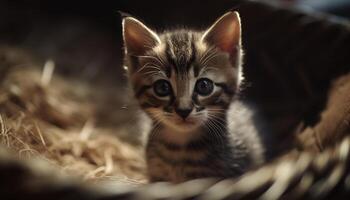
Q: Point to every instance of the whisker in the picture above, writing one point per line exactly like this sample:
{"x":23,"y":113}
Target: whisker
{"x":215,"y":132}
{"x":147,"y":65}
{"x":205,"y":54}
{"x":159,"y":59}
{"x":212,"y":52}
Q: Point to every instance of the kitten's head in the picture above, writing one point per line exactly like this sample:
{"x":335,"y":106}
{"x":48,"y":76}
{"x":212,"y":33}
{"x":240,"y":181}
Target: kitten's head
{"x":184,"y":78}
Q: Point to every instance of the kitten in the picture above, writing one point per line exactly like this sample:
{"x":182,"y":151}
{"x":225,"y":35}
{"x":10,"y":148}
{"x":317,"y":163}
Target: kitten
{"x":186,"y":82}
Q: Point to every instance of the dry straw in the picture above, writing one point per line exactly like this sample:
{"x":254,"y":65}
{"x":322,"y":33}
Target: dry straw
{"x":42,"y":116}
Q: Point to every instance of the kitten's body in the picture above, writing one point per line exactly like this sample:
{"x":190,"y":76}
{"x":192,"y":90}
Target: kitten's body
{"x":223,"y":155}
{"x":198,"y":129}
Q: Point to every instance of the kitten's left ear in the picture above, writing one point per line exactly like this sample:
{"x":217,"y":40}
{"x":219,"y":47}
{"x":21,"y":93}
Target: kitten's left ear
{"x":225,"y":33}
{"x":138,"y":38}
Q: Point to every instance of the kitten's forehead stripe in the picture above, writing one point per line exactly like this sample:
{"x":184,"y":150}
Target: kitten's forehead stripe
{"x":169,"y":56}
{"x":168,"y":71}
{"x":180,"y":50}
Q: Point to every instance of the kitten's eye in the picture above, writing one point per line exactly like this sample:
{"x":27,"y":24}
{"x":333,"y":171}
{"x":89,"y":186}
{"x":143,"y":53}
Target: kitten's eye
{"x":204,"y":86}
{"x":162,"y":88}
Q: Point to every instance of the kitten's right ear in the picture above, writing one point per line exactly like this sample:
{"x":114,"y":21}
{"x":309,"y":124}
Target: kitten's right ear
{"x":225,"y":33}
{"x":138,"y":38}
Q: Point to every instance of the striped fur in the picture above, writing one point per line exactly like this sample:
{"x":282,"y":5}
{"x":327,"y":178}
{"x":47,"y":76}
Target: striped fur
{"x":218,"y":137}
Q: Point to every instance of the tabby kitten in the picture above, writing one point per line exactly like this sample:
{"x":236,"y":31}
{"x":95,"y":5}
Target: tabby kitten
{"x":186,"y":82}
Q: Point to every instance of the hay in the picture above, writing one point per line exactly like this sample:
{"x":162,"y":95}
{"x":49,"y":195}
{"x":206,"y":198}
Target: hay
{"x":43,"y":115}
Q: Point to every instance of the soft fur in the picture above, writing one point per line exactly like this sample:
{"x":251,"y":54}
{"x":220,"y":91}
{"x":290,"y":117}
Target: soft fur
{"x":192,"y":135}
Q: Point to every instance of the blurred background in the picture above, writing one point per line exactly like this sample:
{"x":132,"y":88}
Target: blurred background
{"x":85,"y":34}
{"x":84,"y":40}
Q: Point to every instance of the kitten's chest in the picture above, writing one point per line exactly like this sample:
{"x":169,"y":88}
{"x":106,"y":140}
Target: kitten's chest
{"x":178,"y":165}
{"x":159,"y":170}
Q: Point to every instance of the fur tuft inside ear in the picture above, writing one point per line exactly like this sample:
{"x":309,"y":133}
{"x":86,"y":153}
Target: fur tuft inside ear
{"x":138,"y":38}
{"x":225,"y":33}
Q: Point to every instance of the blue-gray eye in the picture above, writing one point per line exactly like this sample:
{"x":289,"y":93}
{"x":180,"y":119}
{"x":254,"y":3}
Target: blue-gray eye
{"x":162,"y":88}
{"x":204,"y":86}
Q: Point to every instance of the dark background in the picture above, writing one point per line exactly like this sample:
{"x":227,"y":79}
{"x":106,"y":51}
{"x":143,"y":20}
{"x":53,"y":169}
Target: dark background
{"x":289,"y":64}
{"x":88,"y":33}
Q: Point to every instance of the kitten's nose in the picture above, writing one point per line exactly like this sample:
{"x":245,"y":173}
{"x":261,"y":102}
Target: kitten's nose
{"x":183,"y":112}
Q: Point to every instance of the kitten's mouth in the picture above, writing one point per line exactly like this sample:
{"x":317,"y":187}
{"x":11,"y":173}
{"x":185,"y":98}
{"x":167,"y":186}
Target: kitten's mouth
{"x":185,"y":122}
{"x":183,"y":125}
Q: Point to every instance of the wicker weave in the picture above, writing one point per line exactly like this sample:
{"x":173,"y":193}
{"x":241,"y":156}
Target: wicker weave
{"x":293,"y":176}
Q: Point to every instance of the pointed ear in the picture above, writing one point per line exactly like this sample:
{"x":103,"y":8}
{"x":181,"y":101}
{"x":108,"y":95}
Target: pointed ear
{"x":225,"y":33}
{"x":138,"y":38}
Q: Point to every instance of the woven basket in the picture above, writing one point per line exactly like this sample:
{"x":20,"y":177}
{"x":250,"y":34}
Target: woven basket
{"x":309,"y":75}
{"x":295,"y":175}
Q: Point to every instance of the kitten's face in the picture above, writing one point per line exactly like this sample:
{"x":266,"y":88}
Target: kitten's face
{"x":184,"y":79}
